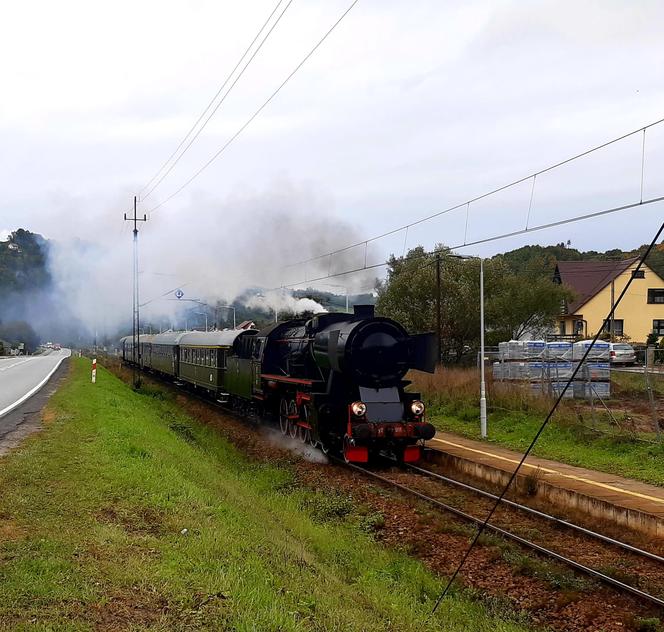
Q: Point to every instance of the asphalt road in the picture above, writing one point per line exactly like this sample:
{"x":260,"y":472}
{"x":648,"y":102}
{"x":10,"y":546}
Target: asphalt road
{"x":22,"y":376}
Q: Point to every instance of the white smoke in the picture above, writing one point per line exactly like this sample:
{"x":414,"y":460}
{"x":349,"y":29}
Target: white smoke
{"x":280,"y":301}
{"x":213,"y":250}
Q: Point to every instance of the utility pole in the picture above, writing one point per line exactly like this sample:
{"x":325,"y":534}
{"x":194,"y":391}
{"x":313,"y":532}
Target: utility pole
{"x":482,"y":382}
{"x":612,"y":321}
{"x":439,"y":316}
{"x":135,"y":326}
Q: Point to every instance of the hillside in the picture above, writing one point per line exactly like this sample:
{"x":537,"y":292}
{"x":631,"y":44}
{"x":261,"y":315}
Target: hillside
{"x":23,"y":262}
{"x":24,"y":280}
{"x":544,"y":257}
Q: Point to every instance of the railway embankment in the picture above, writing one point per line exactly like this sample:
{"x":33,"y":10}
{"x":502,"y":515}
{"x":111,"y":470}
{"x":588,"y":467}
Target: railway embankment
{"x":127,"y":513}
{"x":506,"y":578}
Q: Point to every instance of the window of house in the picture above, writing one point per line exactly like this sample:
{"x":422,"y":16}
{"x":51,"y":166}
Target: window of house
{"x":656,"y":295}
{"x":618,"y":326}
{"x":638,"y":274}
{"x":658,"y":327}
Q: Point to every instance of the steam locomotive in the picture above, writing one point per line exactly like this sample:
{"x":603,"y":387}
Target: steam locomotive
{"x":334,"y":380}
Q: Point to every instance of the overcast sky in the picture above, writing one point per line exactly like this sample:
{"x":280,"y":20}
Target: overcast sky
{"x":406,"y":109}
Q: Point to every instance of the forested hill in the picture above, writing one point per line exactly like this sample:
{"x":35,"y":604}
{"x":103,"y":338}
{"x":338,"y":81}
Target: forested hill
{"x":24,"y":285}
{"x":544,"y":258}
{"x":23,"y":263}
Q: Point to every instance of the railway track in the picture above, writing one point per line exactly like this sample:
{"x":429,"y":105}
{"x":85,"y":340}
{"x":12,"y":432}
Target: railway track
{"x":540,"y":514}
{"x":524,"y":542}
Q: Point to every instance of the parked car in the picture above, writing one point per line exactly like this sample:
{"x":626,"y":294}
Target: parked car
{"x":621,"y":353}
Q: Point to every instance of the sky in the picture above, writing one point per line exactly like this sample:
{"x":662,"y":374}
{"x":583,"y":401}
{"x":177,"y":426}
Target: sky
{"x":406,"y":109}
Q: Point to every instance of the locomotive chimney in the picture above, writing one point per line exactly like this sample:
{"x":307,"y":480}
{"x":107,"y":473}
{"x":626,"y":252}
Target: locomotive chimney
{"x":363,"y":311}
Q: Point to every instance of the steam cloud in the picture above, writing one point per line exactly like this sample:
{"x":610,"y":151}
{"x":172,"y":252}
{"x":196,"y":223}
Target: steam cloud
{"x":214,"y":250}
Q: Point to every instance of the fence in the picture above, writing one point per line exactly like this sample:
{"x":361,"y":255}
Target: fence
{"x":625,"y":401}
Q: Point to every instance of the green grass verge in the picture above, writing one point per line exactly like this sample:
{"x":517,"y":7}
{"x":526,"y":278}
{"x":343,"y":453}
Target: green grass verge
{"x":565,"y":442}
{"x":92,"y":518}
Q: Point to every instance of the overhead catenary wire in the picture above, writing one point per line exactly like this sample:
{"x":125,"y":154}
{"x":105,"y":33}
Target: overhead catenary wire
{"x":477,"y":198}
{"x":523,"y":231}
{"x":256,"y":113}
{"x":570,"y":380}
{"x":221,"y":101}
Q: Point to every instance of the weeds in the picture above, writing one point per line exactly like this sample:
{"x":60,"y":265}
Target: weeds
{"x":516,"y":414}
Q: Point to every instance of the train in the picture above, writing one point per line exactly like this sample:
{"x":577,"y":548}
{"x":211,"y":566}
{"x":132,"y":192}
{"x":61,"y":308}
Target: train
{"x":334,"y":380}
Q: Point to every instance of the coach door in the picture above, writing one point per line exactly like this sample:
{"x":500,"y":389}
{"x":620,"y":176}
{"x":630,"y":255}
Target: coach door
{"x":256,"y":363}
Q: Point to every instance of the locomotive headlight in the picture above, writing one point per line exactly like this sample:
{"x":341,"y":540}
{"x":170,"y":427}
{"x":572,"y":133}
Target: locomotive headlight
{"x":358,"y":408}
{"x":417,"y":407}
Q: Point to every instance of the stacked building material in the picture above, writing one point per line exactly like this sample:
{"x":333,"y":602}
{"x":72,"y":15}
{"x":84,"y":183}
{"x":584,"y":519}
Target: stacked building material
{"x":547,"y":366}
{"x":594,"y":377}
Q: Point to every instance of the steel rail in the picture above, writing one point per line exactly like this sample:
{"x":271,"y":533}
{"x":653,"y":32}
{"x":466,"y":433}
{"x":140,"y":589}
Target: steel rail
{"x":511,"y":536}
{"x":540,"y":514}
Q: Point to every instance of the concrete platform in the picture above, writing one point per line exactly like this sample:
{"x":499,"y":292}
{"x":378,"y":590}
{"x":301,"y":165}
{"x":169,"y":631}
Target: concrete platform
{"x":624,"y":501}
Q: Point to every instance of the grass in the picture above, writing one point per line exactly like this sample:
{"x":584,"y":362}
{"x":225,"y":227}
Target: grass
{"x":633,"y":384}
{"x":515,"y":415}
{"x":124,"y":513}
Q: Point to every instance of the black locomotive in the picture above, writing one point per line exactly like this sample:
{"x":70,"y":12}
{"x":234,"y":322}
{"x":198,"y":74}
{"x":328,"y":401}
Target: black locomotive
{"x":334,"y":380}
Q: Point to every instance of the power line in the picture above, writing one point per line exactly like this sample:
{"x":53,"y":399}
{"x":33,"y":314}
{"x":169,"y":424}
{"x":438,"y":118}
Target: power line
{"x":473,"y":243}
{"x":542,"y":427}
{"x":467,"y":203}
{"x":214,"y":111}
{"x":156,"y":298}
{"x":257,"y":112}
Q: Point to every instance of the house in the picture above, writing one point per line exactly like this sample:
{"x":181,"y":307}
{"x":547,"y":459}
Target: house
{"x":597,"y":284}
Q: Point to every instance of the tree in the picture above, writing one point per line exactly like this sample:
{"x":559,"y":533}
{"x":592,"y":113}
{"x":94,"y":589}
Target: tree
{"x":522,"y":302}
{"x":18,"y":331}
{"x":515,"y":303}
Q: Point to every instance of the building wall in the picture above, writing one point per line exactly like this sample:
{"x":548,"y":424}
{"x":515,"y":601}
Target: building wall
{"x":635,"y":311}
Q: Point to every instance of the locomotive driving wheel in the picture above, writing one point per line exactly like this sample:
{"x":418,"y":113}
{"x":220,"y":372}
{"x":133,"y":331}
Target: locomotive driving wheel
{"x":293,"y":418}
{"x":283,"y":416}
{"x":304,"y":433}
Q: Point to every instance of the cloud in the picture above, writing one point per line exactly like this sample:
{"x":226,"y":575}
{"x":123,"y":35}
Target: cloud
{"x":405,"y":110}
